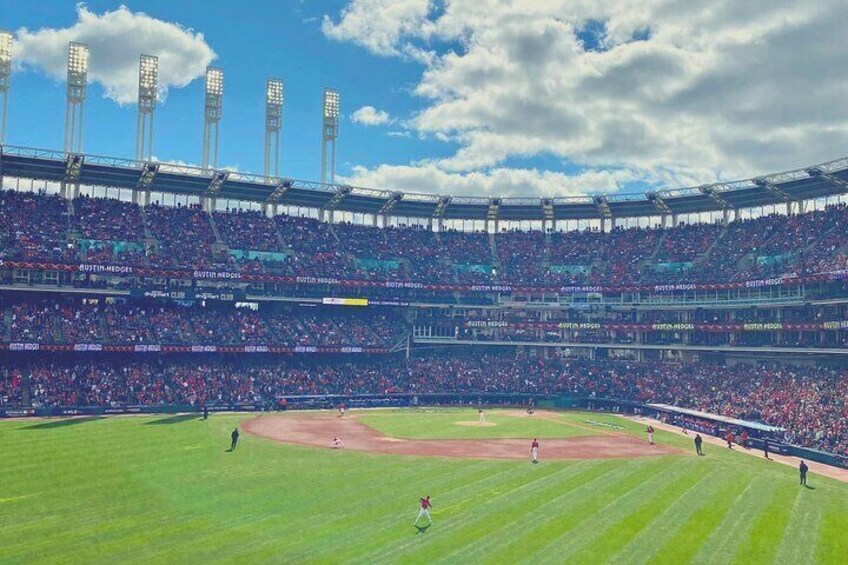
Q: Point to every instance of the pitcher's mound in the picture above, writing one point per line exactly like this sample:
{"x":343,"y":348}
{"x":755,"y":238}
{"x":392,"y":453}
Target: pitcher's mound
{"x":474,"y":424}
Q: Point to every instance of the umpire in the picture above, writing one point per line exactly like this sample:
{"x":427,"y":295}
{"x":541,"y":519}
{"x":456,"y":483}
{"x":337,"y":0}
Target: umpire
{"x":698,"y":441}
{"x":235,"y":436}
{"x":802,"y":468}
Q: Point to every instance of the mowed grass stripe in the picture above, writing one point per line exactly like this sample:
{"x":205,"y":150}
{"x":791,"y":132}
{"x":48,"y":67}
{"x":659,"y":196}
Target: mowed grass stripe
{"x":833,"y":535}
{"x":686,"y":539}
{"x":220,"y":535}
{"x":617,"y":527}
{"x":627,"y":476}
{"x":663,"y":524}
{"x":487,"y":538}
{"x":455,"y":521}
{"x":798,"y":544}
{"x":767,"y":531}
{"x":354,"y":507}
{"x":450,"y":494}
{"x":720,"y":546}
{"x":388,"y":506}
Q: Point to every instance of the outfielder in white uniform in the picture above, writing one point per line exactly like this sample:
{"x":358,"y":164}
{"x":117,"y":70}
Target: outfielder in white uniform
{"x":481,"y":416}
{"x":534,"y":450}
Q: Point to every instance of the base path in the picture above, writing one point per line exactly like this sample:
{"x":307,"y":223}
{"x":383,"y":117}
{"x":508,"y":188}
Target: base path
{"x":319,"y":429}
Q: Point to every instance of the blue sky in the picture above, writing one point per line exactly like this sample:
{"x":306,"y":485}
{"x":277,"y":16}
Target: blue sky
{"x":492,"y":97}
{"x":286,"y":42}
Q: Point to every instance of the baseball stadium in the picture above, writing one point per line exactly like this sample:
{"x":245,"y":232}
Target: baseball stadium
{"x":200,"y":364}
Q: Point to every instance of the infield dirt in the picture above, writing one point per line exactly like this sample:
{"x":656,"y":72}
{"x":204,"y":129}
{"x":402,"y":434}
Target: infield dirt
{"x":318,"y":430}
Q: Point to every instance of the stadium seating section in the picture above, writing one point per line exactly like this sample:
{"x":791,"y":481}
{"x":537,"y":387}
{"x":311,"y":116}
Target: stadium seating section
{"x":35,"y":226}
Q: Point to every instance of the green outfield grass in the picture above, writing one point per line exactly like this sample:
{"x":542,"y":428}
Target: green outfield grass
{"x":163,"y":490}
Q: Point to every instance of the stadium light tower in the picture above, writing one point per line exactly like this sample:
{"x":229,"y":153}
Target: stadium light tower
{"x":148,"y":93}
{"x":273,"y":123}
{"x":330,"y":133}
{"x":212,"y":115}
{"x":5,"y":75}
{"x":75,"y":108}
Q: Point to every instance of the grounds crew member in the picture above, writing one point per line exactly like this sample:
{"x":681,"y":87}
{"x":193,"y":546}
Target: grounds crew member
{"x":802,"y":468}
{"x":235,"y":436}
{"x":698,"y":441}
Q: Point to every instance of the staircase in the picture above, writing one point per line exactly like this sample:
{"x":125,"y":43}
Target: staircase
{"x":333,"y":233}
{"x":7,"y":325}
{"x":150,"y":242}
{"x":220,"y":250}
{"x":496,"y":260}
{"x":705,"y":256}
{"x":72,"y":233}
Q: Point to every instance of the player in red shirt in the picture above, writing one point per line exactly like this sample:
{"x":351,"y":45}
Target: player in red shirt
{"x":424,"y":511}
{"x":650,"y":430}
{"x":534,"y":450}
{"x":743,"y":439}
{"x":730,"y":440}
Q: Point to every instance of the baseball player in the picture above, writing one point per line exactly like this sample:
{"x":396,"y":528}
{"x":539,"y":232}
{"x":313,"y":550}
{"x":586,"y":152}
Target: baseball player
{"x":650,"y":430}
{"x":481,"y":416}
{"x":342,"y":408}
{"x":337,"y":443}
{"x":424,"y":510}
{"x":534,"y":450}
{"x":729,"y":440}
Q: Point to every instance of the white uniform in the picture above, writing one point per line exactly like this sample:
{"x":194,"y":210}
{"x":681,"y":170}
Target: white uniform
{"x":424,"y":511}
{"x":481,"y":416}
{"x":534,"y":453}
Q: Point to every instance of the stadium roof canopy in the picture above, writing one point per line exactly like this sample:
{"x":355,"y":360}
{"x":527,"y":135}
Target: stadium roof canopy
{"x":826,"y":179}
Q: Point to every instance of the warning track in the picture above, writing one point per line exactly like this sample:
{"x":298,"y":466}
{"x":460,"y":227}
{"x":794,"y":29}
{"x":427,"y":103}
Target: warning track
{"x":318,"y":429}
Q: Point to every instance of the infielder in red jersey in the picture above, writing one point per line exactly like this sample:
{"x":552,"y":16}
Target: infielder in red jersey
{"x":424,"y":511}
{"x":534,"y":450}
{"x":650,"y":431}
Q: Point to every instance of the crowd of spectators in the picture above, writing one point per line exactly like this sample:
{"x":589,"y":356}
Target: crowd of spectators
{"x":37,"y":226}
{"x":185,"y":238}
{"x":34,"y":227}
{"x":91,"y":321}
{"x":114,"y":227}
{"x":811,"y":403}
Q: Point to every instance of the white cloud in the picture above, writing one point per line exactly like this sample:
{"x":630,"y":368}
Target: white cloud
{"x":370,"y":116}
{"x":379,"y":25}
{"x":115,"y":40}
{"x":181,"y":163}
{"x":430,"y":178}
{"x":675,"y":92}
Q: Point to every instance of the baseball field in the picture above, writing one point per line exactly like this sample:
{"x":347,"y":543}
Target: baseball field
{"x":165,"y":489}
